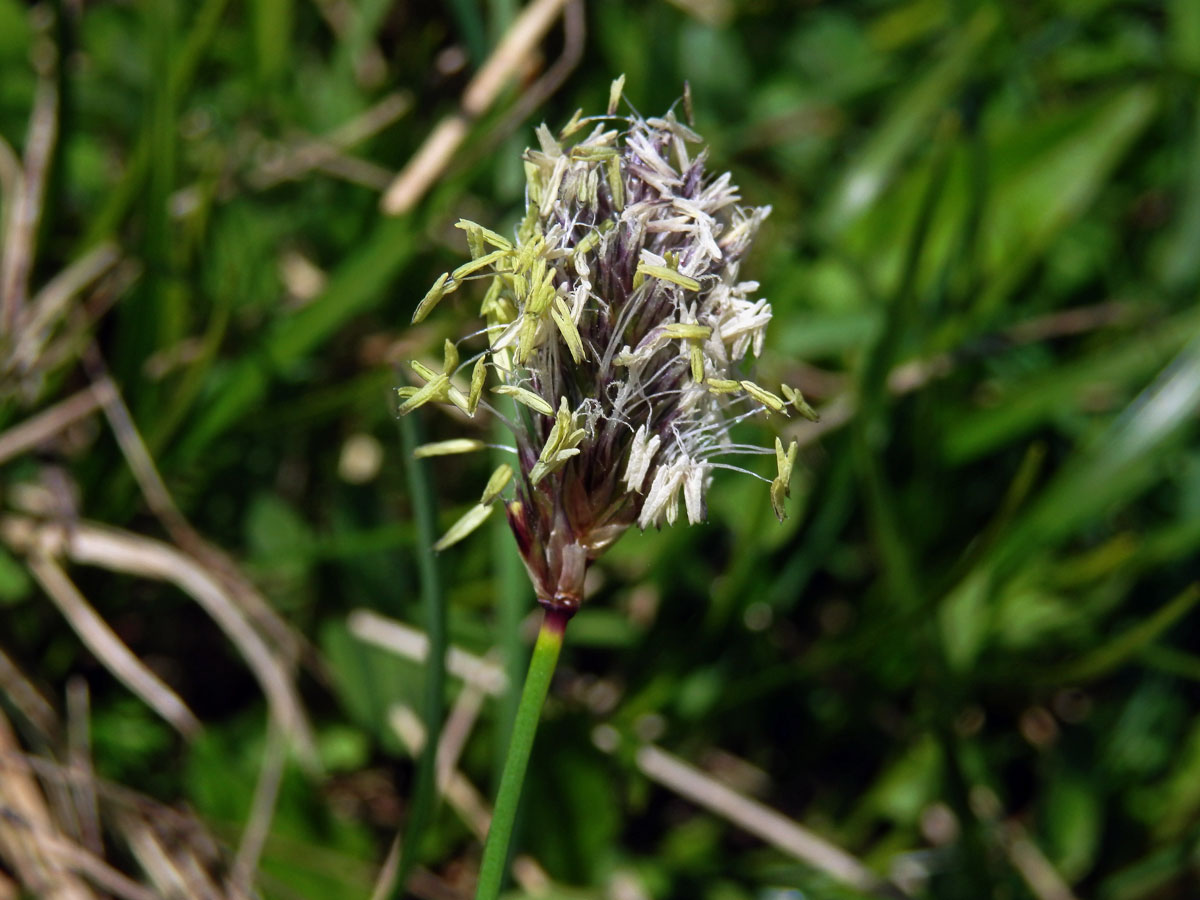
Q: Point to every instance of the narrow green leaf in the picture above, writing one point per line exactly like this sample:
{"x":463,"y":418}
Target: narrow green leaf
{"x":1125,"y":646}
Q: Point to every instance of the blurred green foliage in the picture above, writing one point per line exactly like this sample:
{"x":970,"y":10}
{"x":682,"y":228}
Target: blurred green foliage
{"x":977,"y":631}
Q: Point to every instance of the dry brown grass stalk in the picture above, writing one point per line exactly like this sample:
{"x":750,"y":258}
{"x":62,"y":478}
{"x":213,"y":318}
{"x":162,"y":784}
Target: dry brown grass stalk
{"x":27,"y":699}
{"x":88,"y":543}
{"x":510,"y":55}
{"x":28,"y":834}
{"x":46,"y":424}
{"x":79,"y":757}
{"x":262,"y":812}
{"x":755,"y":818}
{"x":25,"y":206}
{"x":406,"y":641}
{"x":463,"y":797}
{"x":51,"y":304}
{"x":329,"y":153}
{"x":109,"y":649}
{"x":291,"y":645}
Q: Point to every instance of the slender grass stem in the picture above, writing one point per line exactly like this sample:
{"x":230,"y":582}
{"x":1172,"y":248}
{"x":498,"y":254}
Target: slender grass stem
{"x":434,"y":609}
{"x":512,"y":603}
{"x":533,"y":695}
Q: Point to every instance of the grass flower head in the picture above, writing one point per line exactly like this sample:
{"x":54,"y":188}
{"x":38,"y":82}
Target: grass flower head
{"x":617,"y":323}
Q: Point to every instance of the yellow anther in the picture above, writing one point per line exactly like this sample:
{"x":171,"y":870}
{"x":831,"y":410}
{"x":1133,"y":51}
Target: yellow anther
{"x":785,"y":461}
{"x":685,"y":331}
{"x":616,"y":186}
{"x":525,"y":397}
{"x":501,"y":477}
{"x":587,"y":243}
{"x":529,"y":225}
{"x":533,"y":178}
{"x":572,"y":126}
{"x":446,"y":448}
{"x":781,"y":485}
{"x":778,"y":495}
{"x":763,"y":396}
{"x":477,"y":236}
{"x":665,"y":273}
{"x":592,"y":152}
{"x":475,"y":265}
{"x":475,"y":517}
{"x":561,"y":314}
{"x":614,"y":94}
{"x":541,"y":295}
{"x":797,"y":400}
{"x":498,"y":307}
{"x":447,"y":391}
{"x":423,"y":370}
{"x":526,"y":339}
{"x":478,"y":377}
{"x":436,"y":389}
{"x":561,"y":444}
{"x":431,"y":299}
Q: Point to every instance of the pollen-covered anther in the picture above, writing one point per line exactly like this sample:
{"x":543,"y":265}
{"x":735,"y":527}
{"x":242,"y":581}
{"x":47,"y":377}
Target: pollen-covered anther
{"x":662,"y":499}
{"x":722,"y":385}
{"x":561,"y":444}
{"x":482,"y":262}
{"x":796,"y":399}
{"x":445,"y":448}
{"x":477,"y":236}
{"x":665,"y":273}
{"x":781,"y":485}
{"x":641,"y":454}
{"x":435,"y":389}
{"x":656,"y":337}
{"x":478,"y":377}
{"x":695,"y":481}
{"x":525,"y":397}
{"x":697,"y":363}
{"x":500,"y":478}
{"x":763,"y":396}
{"x":440,"y":288}
{"x":473,"y":518}
{"x":561,"y":313}
{"x":449,"y":356}
{"x":445,"y":390}
{"x":686,"y":331}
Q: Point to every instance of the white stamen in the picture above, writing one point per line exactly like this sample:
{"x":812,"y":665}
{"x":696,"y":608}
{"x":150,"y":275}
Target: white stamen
{"x":641,"y":453}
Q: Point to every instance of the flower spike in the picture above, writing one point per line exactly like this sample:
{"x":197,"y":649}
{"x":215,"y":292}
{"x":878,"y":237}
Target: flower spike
{"x":616,"y":318}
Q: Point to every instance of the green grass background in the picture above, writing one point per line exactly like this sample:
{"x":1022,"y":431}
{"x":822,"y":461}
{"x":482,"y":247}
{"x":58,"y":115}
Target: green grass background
{"x":983,"y":260}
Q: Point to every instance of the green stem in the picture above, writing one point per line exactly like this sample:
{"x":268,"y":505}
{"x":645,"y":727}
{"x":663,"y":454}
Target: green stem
{"x":533,"y":695}
{"x":424,"y":798}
